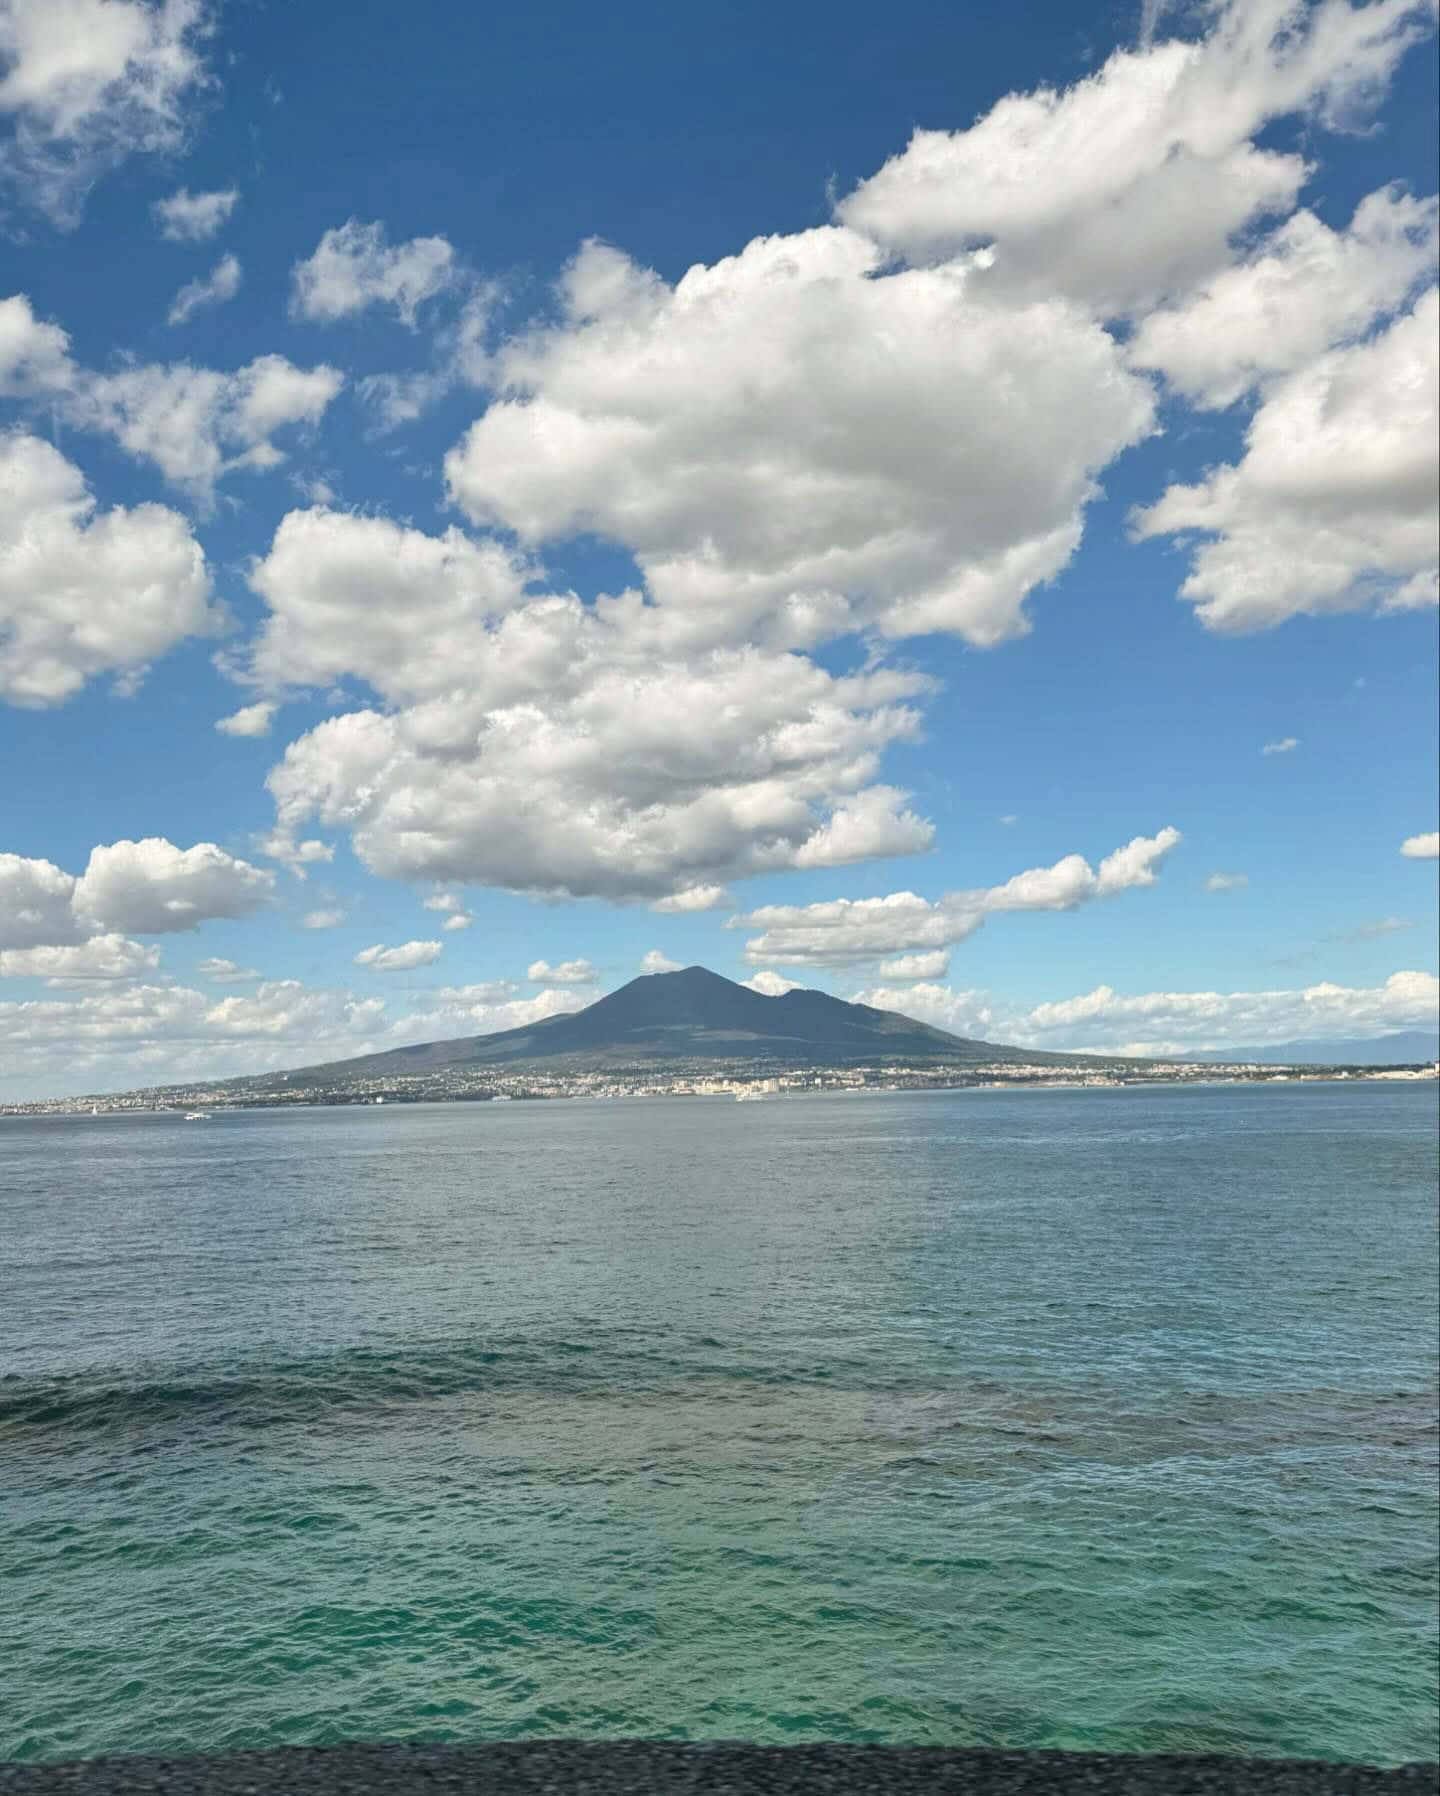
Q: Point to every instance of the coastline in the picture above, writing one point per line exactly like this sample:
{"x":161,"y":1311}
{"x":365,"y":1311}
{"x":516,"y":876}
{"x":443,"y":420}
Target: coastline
{"x":705,"y":1768}
{"x":103,"y":1105}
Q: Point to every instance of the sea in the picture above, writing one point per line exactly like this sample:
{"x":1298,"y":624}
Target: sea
{"x":1097,"y":1419}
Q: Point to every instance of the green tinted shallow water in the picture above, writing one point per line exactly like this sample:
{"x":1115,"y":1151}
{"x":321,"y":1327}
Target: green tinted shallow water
{"x":1098,"y":1419}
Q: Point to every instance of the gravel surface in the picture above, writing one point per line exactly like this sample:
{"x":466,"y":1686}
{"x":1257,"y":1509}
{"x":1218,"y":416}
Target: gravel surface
{"x":721,"y":1768}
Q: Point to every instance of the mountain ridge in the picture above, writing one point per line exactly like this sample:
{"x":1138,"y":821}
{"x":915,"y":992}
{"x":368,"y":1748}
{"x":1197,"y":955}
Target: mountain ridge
{"x":1401,"y":1047}
{"x":694,"y":1014}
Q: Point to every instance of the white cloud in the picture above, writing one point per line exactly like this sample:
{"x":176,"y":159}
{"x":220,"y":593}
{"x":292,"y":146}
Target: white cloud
{"x":87,"y":83}
{"x":404,"y":611}
{"x":1060,"y":887}
{"x":1302,"y":291}
{"x":796,"y":441}
{"x":221,"y":284}
{"x":154,"y":1034}
{"x":102,"y":957}
{"x":771,"y":985}
{"x":870,"y":826}
{"x":457,"y":916}
{"x":624,"y":780}
{"x":194,"y":424}
{"x":1285,"y":746}
{"x":34,"y":357}
{"x":1227,"y":882}
{"x":271,"y":392}
{"x":151,"y":887}
{"x":295,"y":855}
{"x":322,"y":919}
{"x":187,"y":217}
{"x":487,"y":1009}
{"x":128,"y":888}
{"x":1333,"y":506}
{"x":85,"y":592}
{"x":967,"y":1013}
{"x":933,"y":965}
{"x":544,"y":745}
{"x":1135,"y":863}
{"x":842,"y":931}
{"x":353,"y":268}
{"x":656,"y":962}
{"x":37,"y":903}
{"x":1166,"y":1024}
{"x":1171,"y":1022}
{"x":568,"y":972}
{"x":692,"y":898}
{"x":249,"y":720}
{"x":1421,"y":848}
{"x":845,"y":931}
{"x":140,"y":1034}
{"x":492,"y":991}
{"x":398,"y":960}
{"x":226,"y":972}
{"x":198,"y":424}
{"x":1130,"y":185}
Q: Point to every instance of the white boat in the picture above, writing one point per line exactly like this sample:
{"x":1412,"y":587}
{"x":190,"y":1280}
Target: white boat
{"x":195,"y":1116}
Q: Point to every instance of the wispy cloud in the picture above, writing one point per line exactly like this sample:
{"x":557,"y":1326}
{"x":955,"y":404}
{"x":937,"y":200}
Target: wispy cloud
{"x":1373,"y":931}
{"x":222,"y":283}
{"x":187,"y":217}
{"x":402,"y":959}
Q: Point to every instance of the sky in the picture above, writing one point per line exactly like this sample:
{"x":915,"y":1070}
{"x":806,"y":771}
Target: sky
{"x":937,"y":505}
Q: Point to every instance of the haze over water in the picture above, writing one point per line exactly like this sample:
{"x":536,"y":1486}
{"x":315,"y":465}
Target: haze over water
{"x":1094,"y":1419}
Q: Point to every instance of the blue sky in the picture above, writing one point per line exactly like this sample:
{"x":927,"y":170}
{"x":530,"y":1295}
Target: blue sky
{"x":1004,"y":427}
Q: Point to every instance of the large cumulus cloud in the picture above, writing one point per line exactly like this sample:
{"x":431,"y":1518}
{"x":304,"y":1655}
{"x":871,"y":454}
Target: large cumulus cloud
{"x":1131,"y":185}
{"x":149,"y":887}
{"x":527,"y":740}
{"x":796,"y":441}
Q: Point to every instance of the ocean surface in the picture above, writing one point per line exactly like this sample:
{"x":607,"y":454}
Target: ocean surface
{"x":1098,"y":1419}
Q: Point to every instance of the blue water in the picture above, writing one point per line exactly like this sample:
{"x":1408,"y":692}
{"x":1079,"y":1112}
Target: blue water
{"x":1101,"y":1419}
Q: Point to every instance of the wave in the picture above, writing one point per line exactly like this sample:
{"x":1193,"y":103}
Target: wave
{"x":257,"y":1394}
{"x":903,"y":1403}
{"x":261,"y":1394}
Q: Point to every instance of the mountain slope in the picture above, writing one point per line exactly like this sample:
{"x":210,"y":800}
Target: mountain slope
{"x":695,"y":1014}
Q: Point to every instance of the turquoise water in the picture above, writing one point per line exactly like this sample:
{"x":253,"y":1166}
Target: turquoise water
{"x":1099,"y":1419}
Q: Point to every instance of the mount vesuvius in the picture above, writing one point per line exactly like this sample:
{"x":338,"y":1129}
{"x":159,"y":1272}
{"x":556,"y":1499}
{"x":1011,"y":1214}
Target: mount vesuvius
{"x":697,"y":1015}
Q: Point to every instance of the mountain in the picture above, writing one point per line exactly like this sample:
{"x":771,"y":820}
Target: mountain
{"x":1407,"y":1047}
{"x":696,"y":1015}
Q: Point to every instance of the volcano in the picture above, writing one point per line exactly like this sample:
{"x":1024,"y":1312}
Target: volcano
{"x":698,"y":1015}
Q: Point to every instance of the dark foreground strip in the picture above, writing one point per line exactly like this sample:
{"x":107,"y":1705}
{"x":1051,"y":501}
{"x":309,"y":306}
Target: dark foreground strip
{"x":721,"y":1768}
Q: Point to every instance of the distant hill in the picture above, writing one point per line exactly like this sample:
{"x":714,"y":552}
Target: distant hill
{"x":696,"y":1015}
{"x":1404,"y":1048}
